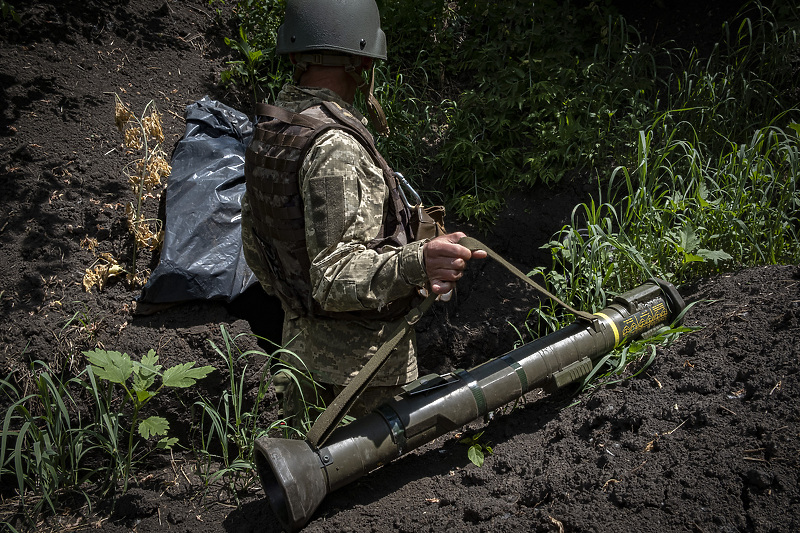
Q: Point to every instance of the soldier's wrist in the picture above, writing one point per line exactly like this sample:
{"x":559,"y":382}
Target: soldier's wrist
{"x":412,"y":264}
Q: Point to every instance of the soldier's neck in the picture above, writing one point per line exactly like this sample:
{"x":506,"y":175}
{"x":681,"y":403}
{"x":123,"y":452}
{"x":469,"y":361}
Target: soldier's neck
{"x":333,"y":78}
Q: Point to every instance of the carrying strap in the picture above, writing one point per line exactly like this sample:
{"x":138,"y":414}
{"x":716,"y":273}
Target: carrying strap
{"x":376,"y":115}
{"x":336,"y":411}
{"x":474,"y":244}
{"x":339,"y":407}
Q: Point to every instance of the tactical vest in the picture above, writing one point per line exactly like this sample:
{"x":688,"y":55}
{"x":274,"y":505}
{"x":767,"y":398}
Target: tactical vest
{"x":273,"y":160}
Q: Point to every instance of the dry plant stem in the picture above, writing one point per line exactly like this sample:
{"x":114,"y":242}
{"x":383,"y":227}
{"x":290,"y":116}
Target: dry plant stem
{"x":139,"y":193}
{"x":147,"y":175}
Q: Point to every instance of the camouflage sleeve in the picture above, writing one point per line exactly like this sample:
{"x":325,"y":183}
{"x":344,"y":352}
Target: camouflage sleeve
{"x":344,"y":195}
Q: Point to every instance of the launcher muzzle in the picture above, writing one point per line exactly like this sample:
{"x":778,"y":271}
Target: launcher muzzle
{"x":297,"y":476}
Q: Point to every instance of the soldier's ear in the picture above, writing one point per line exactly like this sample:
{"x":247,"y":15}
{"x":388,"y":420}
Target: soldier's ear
{"x":293,"y":59}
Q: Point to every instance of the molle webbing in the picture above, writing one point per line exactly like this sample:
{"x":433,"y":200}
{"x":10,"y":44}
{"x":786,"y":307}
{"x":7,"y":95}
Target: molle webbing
{"x":272,"y":162}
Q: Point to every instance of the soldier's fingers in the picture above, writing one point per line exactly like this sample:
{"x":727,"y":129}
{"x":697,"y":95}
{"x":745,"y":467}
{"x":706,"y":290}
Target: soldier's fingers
{"x":446,"y":246}
{"x":479,"y":254}
{"x":441,"y":287}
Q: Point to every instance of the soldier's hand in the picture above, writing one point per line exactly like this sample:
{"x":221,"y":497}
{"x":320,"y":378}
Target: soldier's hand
{"x":445,"y":261}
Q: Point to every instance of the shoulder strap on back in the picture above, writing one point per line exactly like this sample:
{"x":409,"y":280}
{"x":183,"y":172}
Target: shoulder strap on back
{"x":298,"y":119}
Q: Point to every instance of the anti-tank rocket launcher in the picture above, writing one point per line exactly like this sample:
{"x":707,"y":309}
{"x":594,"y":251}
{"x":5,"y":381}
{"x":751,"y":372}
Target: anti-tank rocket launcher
{"x":297,"y":475}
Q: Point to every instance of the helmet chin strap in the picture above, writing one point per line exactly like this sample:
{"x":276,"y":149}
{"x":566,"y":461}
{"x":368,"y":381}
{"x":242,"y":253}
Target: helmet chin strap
{"x":376,"y":115}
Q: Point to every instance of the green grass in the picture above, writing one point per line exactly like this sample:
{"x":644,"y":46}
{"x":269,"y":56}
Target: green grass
{"x":678,"y":213}
{"x":46,"y":441}
{"x":228,"y":426}
{"x":484,"y":101}
{"x":74,"y":440}
{"x":136,"y":383}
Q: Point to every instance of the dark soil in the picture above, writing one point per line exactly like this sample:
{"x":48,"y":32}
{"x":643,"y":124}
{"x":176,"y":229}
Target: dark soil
{"x":705,"y":440}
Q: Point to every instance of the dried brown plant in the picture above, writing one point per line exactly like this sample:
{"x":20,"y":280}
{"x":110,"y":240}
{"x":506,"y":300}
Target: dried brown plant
{"x":147,"y":174}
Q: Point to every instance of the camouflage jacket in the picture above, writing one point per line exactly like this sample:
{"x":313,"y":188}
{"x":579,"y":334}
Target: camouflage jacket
{"x":346,"y":276}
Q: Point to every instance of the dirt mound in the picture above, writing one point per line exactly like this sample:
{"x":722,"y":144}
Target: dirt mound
{"x":705,"y":440}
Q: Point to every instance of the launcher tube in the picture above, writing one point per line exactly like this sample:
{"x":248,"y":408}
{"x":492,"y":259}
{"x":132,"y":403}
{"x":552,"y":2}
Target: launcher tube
{"x":296,"y":477}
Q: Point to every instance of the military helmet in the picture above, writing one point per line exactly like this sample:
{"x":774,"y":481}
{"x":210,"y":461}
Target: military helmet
{"x":348,"y":26}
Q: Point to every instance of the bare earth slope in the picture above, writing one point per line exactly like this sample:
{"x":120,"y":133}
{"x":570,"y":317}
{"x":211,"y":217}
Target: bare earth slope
{"x":705,"y":440}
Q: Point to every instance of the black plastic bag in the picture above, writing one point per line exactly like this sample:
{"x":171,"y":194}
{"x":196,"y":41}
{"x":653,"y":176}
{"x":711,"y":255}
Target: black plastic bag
{"x":202,"y":257}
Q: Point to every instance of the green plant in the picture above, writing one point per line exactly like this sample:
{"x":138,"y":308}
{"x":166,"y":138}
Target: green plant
{"x":412,"y":117}
{"x":81,"y":327}
{"x":46,"y":442}
{"x":687,"y":245}
{"x":249,"y":68}
{"x":80,"y":320}
{"x":219,"y":7}
{"x":9,"y":527}
{"x":683,"y":214}
{"x":610,"y":369}
{"x":485,"y":99}
{"x":137,"y":380}
{"x":8,"y":12}
{"x":257,"y":67}
{"x":541,"y":104}
{"x":695,"y":151}
{"x":231,"y":423}
{"x":477,"y":450}
{"x":229,"y":426}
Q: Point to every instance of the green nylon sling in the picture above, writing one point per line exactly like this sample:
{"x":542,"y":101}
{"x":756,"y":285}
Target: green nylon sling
{"x":336,"y":411}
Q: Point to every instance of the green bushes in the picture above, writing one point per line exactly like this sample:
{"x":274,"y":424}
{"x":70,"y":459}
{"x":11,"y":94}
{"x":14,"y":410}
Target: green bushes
{"x":524,"y":93}
{"x":697,"y":160}
{"x":485,"y":98}
{"x":73,"y":437}
{"x":227,"y":426}
{"x":255,"y":67}
{"x":695,"y":155}
{"x":712,"y":183}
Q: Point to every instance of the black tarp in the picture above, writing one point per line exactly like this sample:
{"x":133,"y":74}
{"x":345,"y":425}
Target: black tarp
{"x":202,"y":256}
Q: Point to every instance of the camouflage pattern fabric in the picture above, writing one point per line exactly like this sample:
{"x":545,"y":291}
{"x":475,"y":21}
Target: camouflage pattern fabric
{"x":344,"y":197}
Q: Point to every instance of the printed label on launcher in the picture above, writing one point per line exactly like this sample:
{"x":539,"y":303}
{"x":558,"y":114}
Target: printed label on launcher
{"x":644,"y":319}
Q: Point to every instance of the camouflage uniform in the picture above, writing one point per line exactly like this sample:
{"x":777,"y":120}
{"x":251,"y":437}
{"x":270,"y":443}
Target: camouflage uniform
{"x":346,"y":276}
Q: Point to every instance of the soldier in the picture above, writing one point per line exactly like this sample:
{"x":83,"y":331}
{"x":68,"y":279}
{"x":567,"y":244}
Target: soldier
{"x":323,"y":224}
